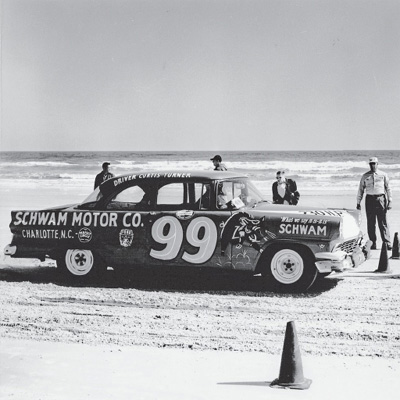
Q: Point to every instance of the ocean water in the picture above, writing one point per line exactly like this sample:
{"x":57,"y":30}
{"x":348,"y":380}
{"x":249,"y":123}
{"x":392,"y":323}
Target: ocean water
{"x":318,"y":171}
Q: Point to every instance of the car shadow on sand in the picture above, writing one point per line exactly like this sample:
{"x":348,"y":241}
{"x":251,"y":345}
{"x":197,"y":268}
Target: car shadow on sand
{"x":158,"y":279}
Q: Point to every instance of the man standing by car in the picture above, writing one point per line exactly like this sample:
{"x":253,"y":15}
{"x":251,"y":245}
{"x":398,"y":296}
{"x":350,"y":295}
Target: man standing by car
{"x":103,"y":175}
{"x":217,"y":161}
{"x":377,"y":201}
{"x":284,"y":190}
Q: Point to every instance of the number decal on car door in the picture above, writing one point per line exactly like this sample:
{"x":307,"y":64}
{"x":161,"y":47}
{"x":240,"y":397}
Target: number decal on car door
{"x":201,"y":233}
{"x":167,"y":230}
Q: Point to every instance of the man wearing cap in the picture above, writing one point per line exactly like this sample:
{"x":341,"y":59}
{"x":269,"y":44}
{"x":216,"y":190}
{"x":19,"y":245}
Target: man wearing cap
{"x":103,"y":175}
{"x":377,"y":201}
{"x":217,"y":161}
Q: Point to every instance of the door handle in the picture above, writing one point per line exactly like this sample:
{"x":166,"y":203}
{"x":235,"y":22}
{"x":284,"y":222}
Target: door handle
{"x":184,"y":214}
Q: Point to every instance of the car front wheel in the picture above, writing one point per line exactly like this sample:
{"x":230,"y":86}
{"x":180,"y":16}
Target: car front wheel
{"x":289,"y":269}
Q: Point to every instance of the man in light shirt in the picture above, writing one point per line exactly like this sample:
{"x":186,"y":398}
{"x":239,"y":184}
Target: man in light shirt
{"x":377,"y":201}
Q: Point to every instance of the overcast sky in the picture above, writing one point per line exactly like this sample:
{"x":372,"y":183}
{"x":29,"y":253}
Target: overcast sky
{"x":200,"y":75}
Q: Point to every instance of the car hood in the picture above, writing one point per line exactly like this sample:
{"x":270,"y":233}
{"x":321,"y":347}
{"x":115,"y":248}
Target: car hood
{"x":296,"y":210}
{"x":348,"y":220}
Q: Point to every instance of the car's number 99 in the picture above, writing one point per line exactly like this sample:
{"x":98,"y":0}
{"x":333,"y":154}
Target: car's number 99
{"x":201,"y":233}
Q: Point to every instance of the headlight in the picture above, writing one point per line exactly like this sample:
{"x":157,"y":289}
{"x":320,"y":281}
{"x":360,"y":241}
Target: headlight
{"x":348,"y":226}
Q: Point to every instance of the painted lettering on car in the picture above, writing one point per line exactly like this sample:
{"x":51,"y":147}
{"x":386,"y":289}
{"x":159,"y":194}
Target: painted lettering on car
{"x":77,"y":219}
{"x":298,"y":229}
{"x":47,"y":234}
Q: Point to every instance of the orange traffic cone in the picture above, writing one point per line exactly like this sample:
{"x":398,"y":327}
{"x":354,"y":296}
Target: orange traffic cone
{"x":383,"y":260}
{"x":291,"y":372}
{"x":395,"y":250}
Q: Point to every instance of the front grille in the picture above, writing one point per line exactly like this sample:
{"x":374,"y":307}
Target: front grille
{"x":348,"y":246}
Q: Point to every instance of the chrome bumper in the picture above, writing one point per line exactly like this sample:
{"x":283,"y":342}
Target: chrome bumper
{"x":10,"y":250}
{"x":338,"y":261}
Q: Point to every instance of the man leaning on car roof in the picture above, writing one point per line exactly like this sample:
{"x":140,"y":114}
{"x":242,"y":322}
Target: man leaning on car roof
{"x":103,"y":175}
{"x":217,"y":161}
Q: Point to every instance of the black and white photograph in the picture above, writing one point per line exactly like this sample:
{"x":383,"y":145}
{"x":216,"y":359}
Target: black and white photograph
{"x":199,"y":199}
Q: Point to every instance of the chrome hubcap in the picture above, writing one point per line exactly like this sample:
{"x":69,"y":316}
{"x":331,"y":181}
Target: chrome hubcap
{"x":79,"y":262}
{"x":287,"y":266}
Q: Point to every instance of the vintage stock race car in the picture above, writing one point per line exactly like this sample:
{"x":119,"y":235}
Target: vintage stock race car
{"x":196,"y":219}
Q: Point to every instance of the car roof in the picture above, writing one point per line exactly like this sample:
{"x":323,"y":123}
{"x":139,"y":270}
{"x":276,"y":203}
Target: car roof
{"x":183,"y":174}
{"x":171,"y":175}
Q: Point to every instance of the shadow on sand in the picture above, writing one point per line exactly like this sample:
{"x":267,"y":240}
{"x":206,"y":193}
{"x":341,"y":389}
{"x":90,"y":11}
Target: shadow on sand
{"x":159,"y":279}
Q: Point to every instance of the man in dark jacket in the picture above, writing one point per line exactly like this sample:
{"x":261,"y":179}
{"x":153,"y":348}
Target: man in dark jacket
{"x":103,"y":175}
{"x":284,"y":191}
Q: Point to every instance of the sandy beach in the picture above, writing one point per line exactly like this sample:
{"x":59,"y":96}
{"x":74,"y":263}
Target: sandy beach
{"x":224,"y":338}
{"x":80,"y":372}
{"x":196,"y":339}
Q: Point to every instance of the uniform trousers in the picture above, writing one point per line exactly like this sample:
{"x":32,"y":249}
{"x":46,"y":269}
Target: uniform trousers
{"x":375,"y":208}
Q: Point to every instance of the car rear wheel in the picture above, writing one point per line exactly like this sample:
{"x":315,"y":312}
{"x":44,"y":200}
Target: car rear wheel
{"x":289,"y":269}
{"x":79,"y":264}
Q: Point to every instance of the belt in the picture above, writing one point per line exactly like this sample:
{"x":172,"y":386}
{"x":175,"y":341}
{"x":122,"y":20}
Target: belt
{"x":375,"y":195}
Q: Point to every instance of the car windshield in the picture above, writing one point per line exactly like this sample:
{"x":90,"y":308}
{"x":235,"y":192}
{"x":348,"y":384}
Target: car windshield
{"x":241,"y":189}
{"x":254,"y":192}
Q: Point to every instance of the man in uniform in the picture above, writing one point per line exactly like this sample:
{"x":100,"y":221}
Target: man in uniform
{"x":103,"y":175}
{"x":377,"y":201}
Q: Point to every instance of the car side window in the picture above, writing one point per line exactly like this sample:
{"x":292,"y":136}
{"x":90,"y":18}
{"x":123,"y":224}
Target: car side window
{"x":224,"y":194}
{"x":202,"y":194}
{"x":171,"y":197}
{"x":132,"y":198}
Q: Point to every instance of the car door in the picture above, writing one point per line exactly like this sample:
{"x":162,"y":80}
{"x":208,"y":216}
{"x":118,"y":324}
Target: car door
{"x":126,"y":242}
{"x":186,"y":226}
{"x":170,"y":223}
